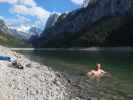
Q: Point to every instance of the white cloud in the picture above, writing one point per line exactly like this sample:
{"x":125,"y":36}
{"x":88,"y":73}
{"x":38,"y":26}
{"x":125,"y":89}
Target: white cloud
{"x":8,"y":1}
{"x":27,"y":2}
{"x":22,"y":2}
{"x":2,"y":18}
{"x":25,"y":9}
{"x":23,"y":28}
{"x":17,"y":21}
{"x":19,"y":9}
{"x":22,"y":19}
{"x":39,"y":12}
{"x":77,"y":2}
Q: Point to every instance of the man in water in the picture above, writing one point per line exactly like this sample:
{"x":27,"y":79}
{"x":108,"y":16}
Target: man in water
{"x":96,"y":73}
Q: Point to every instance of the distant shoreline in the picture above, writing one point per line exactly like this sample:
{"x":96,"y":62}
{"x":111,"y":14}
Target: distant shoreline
{"x":75,"y":49}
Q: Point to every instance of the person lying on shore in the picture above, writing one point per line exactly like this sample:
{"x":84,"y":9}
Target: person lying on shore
{"x":11,"y":59}
{"x":97,"y":73}
{"x":7,"y":58}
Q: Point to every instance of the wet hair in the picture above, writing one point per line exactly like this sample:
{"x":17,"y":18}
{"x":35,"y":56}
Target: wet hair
{"x":97,"y":66}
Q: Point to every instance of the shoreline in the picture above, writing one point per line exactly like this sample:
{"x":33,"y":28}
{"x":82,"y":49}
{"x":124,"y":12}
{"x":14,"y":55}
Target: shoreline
{"x":34,"y":82}
{"x":75,"y":49}
{"x":40,"y":82}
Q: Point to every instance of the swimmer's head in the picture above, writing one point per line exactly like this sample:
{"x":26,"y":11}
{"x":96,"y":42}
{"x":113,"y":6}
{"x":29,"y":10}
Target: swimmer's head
{"x":98,"y":66}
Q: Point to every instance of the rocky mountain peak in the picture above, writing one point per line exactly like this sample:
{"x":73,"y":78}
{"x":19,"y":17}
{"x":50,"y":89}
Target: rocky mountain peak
{"x":81,"y":20}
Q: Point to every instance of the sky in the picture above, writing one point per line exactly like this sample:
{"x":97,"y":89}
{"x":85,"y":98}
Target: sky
{"x":22,"y":14}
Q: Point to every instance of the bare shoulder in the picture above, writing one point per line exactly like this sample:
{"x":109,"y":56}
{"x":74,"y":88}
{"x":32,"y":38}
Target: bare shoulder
{"x":90,"y":72}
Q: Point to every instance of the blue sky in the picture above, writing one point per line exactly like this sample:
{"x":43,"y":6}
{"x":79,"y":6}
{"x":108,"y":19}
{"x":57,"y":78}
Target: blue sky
{"x":24,"y":13}
{"x":57,"y":5}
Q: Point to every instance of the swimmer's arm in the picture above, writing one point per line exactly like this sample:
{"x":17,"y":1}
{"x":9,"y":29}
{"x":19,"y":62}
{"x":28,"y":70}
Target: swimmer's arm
{"x":103,"y":72}
{"x":107,"y":74}
{"x":90,"y":73}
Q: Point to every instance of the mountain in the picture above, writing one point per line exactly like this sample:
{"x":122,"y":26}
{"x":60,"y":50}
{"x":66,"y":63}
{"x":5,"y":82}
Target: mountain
{"x":85,"y":3}
{"x":13,"y":32}
{"x":26,"y":34}
{"x":34,"y":31}
{"x":51,"y":20}
{"x":19,"y":34}
{"x":101,"y":23}
{"x":9,"y":38}
{"x":3,"y":27}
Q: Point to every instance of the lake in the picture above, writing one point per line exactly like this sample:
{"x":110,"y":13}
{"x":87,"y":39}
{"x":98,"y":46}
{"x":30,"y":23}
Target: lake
{"x":117,"y":61}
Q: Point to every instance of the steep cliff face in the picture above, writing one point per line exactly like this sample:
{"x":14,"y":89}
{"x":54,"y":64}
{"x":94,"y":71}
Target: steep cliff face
{"x":9,"y":38}
{"x":3,"y":27}
{"x":72,"y":26}
{"x":52,"y":20}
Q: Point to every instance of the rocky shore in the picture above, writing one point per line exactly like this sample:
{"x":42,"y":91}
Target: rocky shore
{"x":33,"y":82}
{"x":39,"y":82}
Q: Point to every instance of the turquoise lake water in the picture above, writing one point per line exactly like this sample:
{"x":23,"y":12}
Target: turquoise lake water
{"x":118,"y":62}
